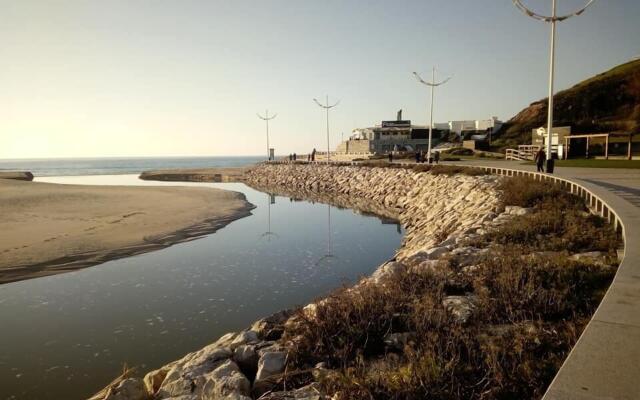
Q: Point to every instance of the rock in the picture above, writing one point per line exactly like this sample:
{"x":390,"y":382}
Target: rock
{"x":247,"y":358}
{"x":153,"y":380}
{"x":309,"y":392}
{"x":515,"y":210}
{"x":272,"y":327}
{"x":271,"y":363}
{"x":243,"y":338}
{"x":431,"y":254}
{"x":186,"y":374}
{"x":389,"y":269}
{"x":223,"y":381}
{"x":397,"y":341}
{"x":461,"y":307}
{"x":595,"y":257}
{"x":310,"y":310}
{"x":450,"y":241}
{"x":128,"y":389}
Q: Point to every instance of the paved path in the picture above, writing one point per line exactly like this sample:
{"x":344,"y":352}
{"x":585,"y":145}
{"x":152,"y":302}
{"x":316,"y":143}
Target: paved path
{"x":605,"y":363}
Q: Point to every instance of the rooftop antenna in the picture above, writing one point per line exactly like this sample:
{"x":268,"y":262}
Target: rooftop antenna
{"x":433,"y":84}
{"x":553,"y":18}
{"x":267,"y":118}
{"x":327,"y":107}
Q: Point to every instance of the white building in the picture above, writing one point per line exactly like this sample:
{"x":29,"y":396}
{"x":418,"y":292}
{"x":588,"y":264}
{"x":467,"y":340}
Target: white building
{"x":480,"y":125}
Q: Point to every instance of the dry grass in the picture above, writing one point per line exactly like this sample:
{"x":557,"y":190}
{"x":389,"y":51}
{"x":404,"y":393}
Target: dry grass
{"x":529,"y":308}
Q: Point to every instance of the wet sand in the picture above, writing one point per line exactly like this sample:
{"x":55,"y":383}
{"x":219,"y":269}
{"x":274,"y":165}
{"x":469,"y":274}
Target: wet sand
{"x":48,"y":228}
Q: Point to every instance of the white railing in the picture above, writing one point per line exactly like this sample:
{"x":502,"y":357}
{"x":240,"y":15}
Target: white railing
{"x":526,"y":152}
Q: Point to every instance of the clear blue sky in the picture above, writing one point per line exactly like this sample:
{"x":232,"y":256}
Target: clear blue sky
{"x":150,"y":78}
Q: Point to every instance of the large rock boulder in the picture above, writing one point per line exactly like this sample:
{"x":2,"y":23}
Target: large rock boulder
{"x":128,"y":389}
{"x":271,"y":363}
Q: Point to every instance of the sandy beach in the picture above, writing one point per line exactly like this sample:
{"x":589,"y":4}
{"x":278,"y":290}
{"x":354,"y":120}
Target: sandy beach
{"x":49,"y":228}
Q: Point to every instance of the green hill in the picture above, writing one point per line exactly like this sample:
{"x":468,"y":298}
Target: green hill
{"x":607,"y":102}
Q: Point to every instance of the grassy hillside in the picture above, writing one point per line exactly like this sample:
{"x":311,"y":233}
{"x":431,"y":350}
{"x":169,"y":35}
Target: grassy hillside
{"x":607,"y":102}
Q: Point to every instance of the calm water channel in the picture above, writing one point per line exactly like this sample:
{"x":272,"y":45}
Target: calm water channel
{"x":65,"y":336}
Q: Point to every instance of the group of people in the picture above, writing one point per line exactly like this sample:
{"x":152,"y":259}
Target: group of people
{"x":310,"y":157}
{"x":421,"y":157}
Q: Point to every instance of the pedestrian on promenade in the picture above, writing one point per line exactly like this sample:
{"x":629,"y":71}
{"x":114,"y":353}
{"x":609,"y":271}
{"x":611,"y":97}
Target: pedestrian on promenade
{"x":390,"y":156}
{"x":290,"y":157}
{"x":313,"y":154}
{"x":417,"y":157}
{"x":422,"y":156}
{"x":295,"y":157}
{"x":540,"y":158}
{"x":436,"y":157}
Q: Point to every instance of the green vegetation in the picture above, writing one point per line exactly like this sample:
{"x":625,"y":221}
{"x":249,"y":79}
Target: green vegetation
{"x":527,"y":310}
{"x":595,"y":163}
{"x":607,"y":102}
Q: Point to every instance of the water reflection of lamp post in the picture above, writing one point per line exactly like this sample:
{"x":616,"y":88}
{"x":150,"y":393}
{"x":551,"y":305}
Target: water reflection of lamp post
{"x":267,"y":118}
{"x":328,"y":255}
{"x":432,"y":85}
{"x":327,"y":107}
{"x":269,"y":233}
{"x":551,"y":19}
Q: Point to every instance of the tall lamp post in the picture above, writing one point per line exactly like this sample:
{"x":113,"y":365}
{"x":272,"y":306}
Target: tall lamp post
{"x":432,"y":85}
{"x":553,"y":18}
{"x":327,"y":107}
{"x":266,"y":119}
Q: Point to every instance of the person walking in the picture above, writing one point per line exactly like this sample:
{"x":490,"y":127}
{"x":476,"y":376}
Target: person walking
{"x":540,"y":158}
{"x":295,"y":156}
{"x":436,"y":157}
{"x":417,"y":157}
{"x":390,"y":156}
{"x":313,"y":154}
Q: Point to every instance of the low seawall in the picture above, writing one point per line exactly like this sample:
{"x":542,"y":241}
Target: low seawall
{"x":431,"y":208}
{"x":437,"y":212}
{"x":441,"y":214}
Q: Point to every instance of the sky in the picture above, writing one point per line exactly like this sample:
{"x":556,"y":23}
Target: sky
{"x":186,"y":78}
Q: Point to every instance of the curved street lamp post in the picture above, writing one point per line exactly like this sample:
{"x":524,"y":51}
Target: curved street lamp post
{"x":327,"y":107}
{"x":267,"y":118}
{"x":553,"y":18}
{"x":432,"y":85}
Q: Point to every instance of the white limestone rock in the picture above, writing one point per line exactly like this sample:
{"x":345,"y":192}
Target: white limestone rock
{"x":461,"y":307}
{"x":128,"y":389}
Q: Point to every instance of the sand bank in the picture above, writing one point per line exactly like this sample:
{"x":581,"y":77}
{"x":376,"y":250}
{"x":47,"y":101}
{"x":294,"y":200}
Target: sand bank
{"x":49,"y":228}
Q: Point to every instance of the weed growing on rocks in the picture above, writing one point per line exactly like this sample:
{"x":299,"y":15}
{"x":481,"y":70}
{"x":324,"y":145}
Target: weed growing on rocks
{"x":498,"y":329}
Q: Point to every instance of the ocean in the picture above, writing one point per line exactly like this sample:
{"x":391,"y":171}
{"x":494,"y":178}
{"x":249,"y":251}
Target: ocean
{"x":119,"y":166}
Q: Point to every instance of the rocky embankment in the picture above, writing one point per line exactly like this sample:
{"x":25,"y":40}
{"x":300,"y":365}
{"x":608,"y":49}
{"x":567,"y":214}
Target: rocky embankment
{"x":18,"y":175}
{"x":440,"y":214}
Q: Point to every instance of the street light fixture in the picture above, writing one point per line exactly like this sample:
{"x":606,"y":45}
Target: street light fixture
{"x":432,"y":85}
{"x":551,"y":19}
{"x":267,"y":118}
{"x":327,"y":107}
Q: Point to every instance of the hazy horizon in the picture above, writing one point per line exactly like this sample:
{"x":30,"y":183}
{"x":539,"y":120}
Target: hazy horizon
{"x":150,"y":79}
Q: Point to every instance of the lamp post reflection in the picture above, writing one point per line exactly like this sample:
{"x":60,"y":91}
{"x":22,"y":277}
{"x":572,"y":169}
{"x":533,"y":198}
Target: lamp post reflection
{"x":271,"y":199}
{"x":326,"y":258}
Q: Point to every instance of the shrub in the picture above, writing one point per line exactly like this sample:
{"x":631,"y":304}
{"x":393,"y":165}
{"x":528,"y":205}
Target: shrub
{"x":528,"y":309}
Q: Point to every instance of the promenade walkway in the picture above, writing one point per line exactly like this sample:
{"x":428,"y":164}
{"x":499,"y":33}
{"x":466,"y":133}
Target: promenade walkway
{"x":605,"y":363}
